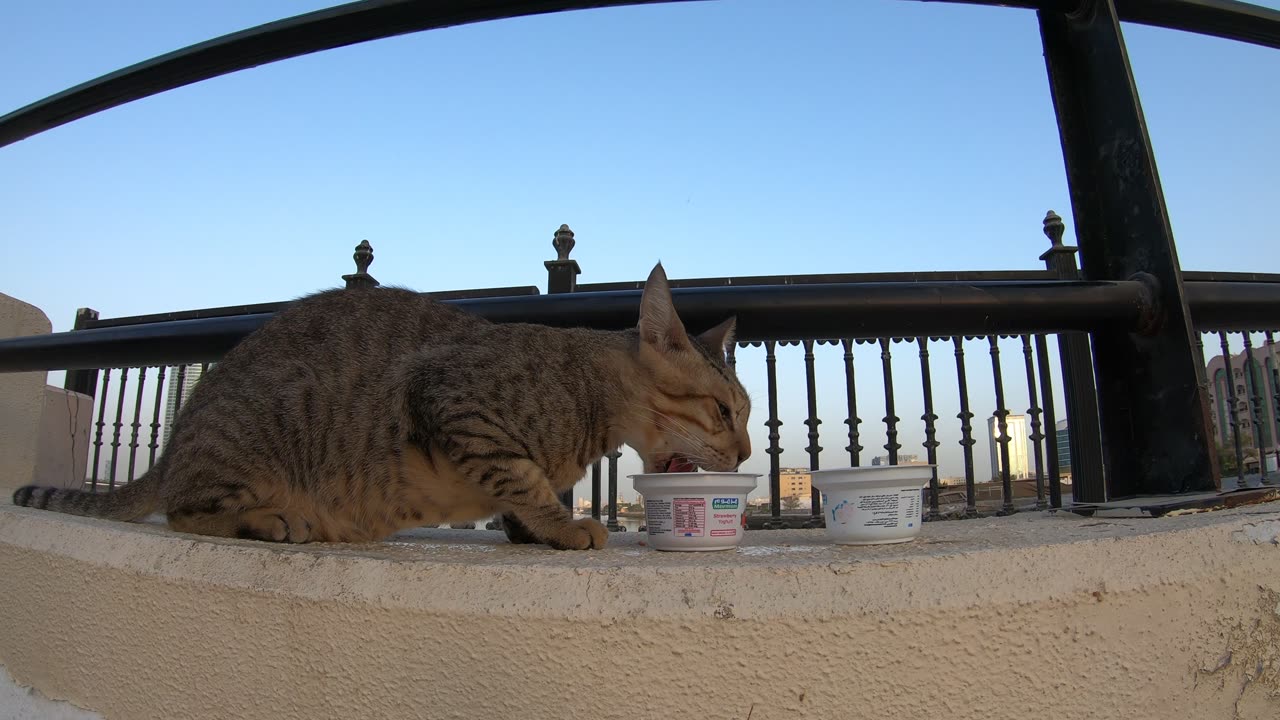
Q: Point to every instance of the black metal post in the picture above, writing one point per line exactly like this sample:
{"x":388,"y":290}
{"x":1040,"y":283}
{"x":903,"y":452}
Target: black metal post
{"x":890,"y":418}
{"x":1273,"y":379}
{"x":774,"y":451}
{"x":562,"y":277}
{"x":966,"y":430}
{"x":612,"y":524}
{"x":177,"y":398}
{"x":930,"y":429}
{"x":812,"y":422}
{"x":1234,"y":415}
{"x":155,"y":417}
{"x":1154,"y":413}
{"x":1088,"y":465}
{"x":595,"y":490}
{"x":851,"y":398}
{"x":1036,"y":437}
{"x":82,"y":381}
{"x":1002,"y":428}
{"x":102,"y":424}
{"x":1050,"y":422}
{"x":361,"y":277}
{"x":115,"y":439}
{"x":1251,"y":386}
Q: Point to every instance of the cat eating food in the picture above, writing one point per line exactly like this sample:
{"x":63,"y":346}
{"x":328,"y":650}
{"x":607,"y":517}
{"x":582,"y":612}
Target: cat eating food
{"x":356,"y":413}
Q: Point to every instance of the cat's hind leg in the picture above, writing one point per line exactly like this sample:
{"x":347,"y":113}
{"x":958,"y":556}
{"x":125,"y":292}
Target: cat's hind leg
{"x":238,"y":509}
{"x":270,"y":524}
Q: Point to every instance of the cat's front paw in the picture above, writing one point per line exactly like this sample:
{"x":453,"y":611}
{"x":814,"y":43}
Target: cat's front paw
{"x":584,"y":534}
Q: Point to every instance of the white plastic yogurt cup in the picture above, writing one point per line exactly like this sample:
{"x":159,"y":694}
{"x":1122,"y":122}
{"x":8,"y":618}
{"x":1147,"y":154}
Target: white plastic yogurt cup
{"x":872,"y":505}
{"x":695,"y":511}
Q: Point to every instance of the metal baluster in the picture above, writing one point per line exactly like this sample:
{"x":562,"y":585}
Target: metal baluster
{"x":930,"y":429}
{"x":1002,"y":425}
{"x":137,"y":422}
{"x":155,"y":417}
{"x":115,"y":442}
{"x":811,"y":390}
{"x":1274,"y":405}
{"x":613,"y":491}
{"x":1050,"y":422}
{"x":1238,"y":483}
{"x":851,"y":392}
{"x":774,"y":451}
{"x":102,"y":423}
{"x":966,"y":431}
{"x":1036,"y":437}
{"x":595,"y":490}
{"x":731,"y":356}
{"x":890,"y":419}
{"x":177,"y":400}
{"x":1255,"y":410}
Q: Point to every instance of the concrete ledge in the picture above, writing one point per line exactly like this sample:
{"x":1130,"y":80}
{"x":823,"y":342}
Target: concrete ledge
{"x":1176,"y":617}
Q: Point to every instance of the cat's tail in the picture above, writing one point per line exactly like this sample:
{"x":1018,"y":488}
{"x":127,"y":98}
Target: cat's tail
{"x":131,"y":501}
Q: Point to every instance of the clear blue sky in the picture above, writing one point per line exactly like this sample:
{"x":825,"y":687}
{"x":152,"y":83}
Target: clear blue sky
{"x":741,"y":137}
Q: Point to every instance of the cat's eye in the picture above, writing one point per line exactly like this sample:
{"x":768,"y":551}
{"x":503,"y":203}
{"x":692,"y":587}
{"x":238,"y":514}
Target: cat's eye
{"x":724,"y":413}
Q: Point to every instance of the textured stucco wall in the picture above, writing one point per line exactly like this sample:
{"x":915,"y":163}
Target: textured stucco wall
{"x":62,"y":447}
{"x":21,"y":398}
{"x":1027,"y":616}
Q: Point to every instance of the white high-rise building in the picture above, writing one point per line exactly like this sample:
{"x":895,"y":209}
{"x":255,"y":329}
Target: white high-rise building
{"x":1018,"y":447}
{"x":171,"y":404}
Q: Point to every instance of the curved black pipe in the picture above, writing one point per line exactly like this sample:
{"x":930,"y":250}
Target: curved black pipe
{"x":367,"y":20}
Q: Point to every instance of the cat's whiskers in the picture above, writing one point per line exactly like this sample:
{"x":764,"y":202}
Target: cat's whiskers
{"x":677,"y":428}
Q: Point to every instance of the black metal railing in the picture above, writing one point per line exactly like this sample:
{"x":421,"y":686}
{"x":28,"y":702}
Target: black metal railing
{"x":1138,"y":398}
{"x":1026,"y":472}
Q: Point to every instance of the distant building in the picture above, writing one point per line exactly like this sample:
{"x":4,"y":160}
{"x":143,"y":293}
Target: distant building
{"x":1256,"y":388}
{"x":903,"y":459}
{"x":171,"y":402}
{"x":796,"y":482}
{"x":1064,"y":449}
{"x":1018,"y":446}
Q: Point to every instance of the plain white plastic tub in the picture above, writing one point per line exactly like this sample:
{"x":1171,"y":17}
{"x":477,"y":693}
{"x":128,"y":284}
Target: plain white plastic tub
{"x":872,"y":505}
{"x":695,"y":511}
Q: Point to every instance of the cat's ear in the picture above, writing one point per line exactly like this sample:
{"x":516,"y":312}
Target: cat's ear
{"x":719,"y":338}
{"x":659,"y":325}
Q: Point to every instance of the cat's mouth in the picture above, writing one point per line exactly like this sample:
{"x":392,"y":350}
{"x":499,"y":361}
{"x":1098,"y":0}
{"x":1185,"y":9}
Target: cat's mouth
{"x":675,"y":464}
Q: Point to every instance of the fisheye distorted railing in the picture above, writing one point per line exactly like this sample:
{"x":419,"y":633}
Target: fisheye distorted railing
{"x":1129,"y":327}
{"x":157,"y":359}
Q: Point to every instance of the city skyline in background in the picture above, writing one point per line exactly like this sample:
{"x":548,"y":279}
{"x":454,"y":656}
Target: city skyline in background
{"x":879,"y":136}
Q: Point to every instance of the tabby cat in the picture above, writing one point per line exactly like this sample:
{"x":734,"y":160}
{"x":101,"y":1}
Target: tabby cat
{"x":356,"y":413}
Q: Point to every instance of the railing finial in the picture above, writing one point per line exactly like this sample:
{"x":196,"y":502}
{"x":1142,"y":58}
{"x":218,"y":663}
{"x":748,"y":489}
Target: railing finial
{"x":364,"y":258}
{"x":1054,"y":228}
{"x":563,"y":243}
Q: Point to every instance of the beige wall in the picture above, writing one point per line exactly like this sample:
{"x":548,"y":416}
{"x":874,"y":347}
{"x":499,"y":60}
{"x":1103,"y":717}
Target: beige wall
{"x":1002,"y":618}
{"x":62,"y":446}
{"x":21,"y":398}
{"x":999,"y":618}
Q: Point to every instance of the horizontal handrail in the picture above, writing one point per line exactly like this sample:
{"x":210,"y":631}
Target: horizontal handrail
{"x":367,"y":20}
{"x":764,"y":312}
{"x":1239,"y":306}
{"x":273,"y":307}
